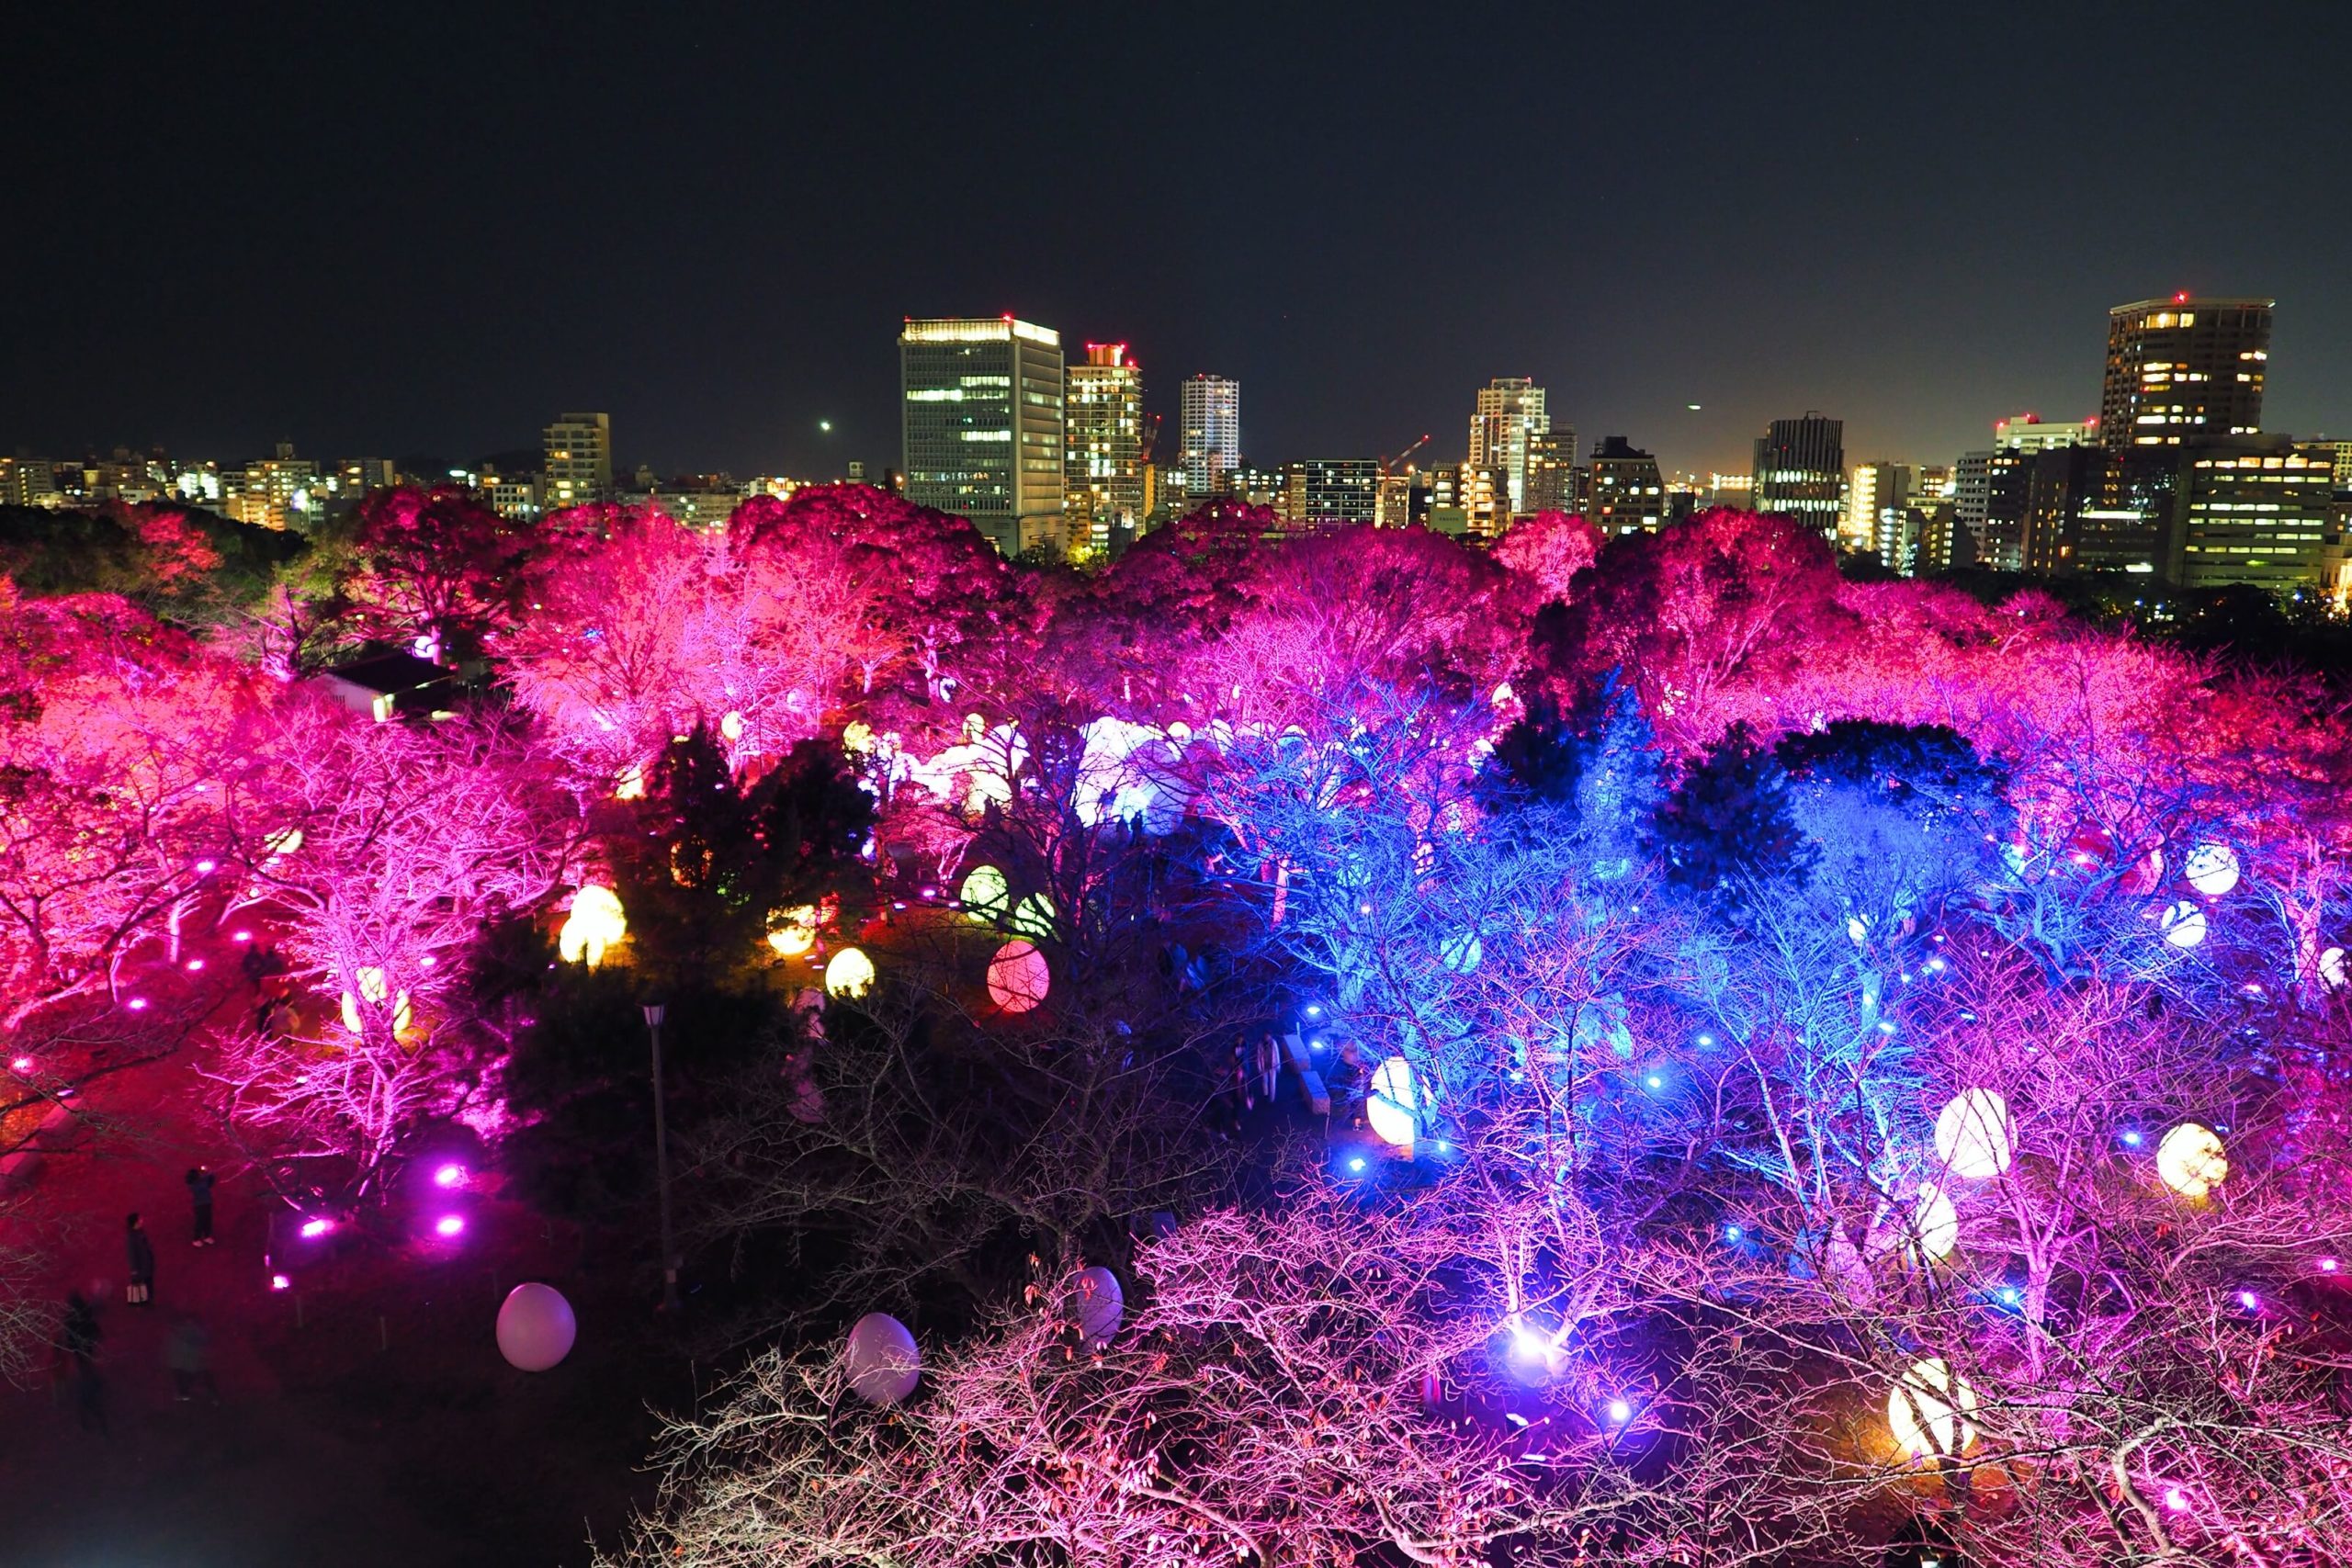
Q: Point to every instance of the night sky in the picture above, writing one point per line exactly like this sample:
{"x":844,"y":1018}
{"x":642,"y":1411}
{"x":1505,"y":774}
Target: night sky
{"x":382,"y":231}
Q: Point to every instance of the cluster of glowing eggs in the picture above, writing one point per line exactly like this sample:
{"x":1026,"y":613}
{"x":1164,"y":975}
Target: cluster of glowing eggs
{"x":2211,"y":869}
{"x":1034,"y":916}
{"x":792,"y":932}
{"x":882,"y":1363}
{"x":1098,"y":1305}
{"x":594,"y":925}
{"x":1018,"y":978}
{"x":1935,"y":1223}
{"x":2191,"y":1161}
{"x":373,"y":991}
{"x":1928,"y":1411}
{"x":1462,"y":952}
{"x":849,"y":973}
{"x":986,"y":895}
{"x":1976,"y":1137}
{"x":2184,"y":923}
{"x":535,"y":1328}
{"x":1393,"y":1106}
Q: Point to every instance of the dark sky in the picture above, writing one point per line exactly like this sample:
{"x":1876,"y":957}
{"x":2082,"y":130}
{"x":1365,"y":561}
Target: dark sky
{"x":388,"y":229}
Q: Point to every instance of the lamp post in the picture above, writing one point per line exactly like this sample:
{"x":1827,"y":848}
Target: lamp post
{"x":654,"y":1012}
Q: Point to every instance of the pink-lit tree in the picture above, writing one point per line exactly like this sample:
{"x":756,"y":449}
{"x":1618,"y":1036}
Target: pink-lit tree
{"x":412,"y":841}
{"x":435,"y":567}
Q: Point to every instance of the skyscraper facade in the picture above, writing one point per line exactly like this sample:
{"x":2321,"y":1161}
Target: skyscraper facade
{"x":1627,"y":493}
{"x":1332,"y":489}
{"x":578,"y":452}
{"x":1551,"y":470}
{"x":1102,"y":445}
{"x":980,"y":404}
{"x":2184,"y":369}
{"x":1800,"y":471}
{"x":1511,"y":411}
{"x":1208,"y":421}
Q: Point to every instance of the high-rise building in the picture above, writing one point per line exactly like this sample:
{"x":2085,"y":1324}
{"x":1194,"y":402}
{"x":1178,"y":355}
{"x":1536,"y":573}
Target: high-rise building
{"x":1551,"y":470}
{"x":980,"y":402}
{"x":1511,"y":411}
{"x":1463,"y":500}
{"x":2184,"y":369}
{"x":1801,"y":470}
{"x":1102,"y":445}
{"x":2257,"y":511}
{"x":1332,"y":489}
{"x":27,"y":482}
{"x":1208,"y":418}
{"x":1869,"y":487}
{"x":578,"y":449}
{"x":1988,"y":509}
{"x":1628,"y":493}
{"x":2031,"y":433}
{"x":277,"y":491}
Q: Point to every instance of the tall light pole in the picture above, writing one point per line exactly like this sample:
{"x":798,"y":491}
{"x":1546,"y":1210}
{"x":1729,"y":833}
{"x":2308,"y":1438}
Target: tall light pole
{"x":654,"y":1012}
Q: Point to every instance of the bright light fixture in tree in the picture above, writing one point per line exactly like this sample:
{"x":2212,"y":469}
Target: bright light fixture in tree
{"x":2191,"y":1160}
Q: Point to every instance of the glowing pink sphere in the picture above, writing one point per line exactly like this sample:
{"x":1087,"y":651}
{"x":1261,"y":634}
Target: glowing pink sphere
{"x":22,"y":1065}
{"x":194,"y":963}
{"x":312,"y":1229}
{"x":136,"y":1004}
{"x":449,"y":1174}
{"x":205,"y":866}
{"x":240,"y":936}
{"x":449,"y":1226}
{"x":280,"y":1282}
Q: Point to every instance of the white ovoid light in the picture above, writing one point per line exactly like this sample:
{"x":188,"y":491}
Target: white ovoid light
{"x":1929,"y":1409}
{"x":1976,"y":1137}
{"x":2211,"y":869}
{"x":2191,"y":1160}
{"x":1393,"y":1106}
{"x":2184,"y":924}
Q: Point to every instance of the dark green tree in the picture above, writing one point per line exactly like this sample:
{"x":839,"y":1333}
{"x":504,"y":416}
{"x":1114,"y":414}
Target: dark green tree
{"x":1729,"y":825}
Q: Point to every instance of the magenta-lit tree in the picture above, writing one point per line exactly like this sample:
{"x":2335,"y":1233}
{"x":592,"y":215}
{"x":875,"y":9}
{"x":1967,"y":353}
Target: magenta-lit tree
{"x":435,"y":568}
{"x":385,"y":851}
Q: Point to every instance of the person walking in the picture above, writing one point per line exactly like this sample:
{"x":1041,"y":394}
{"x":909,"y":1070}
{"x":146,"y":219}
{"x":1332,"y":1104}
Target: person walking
{"x":140,"y":1292}
{"x":78,"y":1338}
{"x":188,"y":1353}
{"x":199,"y":1193}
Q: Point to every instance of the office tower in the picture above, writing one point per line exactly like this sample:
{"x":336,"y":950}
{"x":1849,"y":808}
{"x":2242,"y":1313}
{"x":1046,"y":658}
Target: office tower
{"x":276,"y":491}
{"x":981,"y":405}
{"x":1801,"y":470}
{"x":27,"y":480}
{"x":1103,"y":447}
{"x":1208,"y":418}
{"x":1870,"y":488}
{"x":1465,"y":500}
{"x":578,"y":450}
{"x":1735,"y":490}
{"x":2184,"y":369}
{"x":1628,"y":493}
{"x":1332,"y":489}
{"x":1256,"y":487}
{"x":2031,"y":433}
{"x":2254,"y":510}
{"x":1510,"y":410}
{"x":1551,"y":470}
{"x":1988,"y":509}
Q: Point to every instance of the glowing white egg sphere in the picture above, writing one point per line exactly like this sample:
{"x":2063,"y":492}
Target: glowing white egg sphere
{"x":1098,"y":1305}
{"x":884,"y":1364}
{"x":1975,"y":1135}
{"x":1034,"y":916}
{"x":1393,"y":1106}
{"x":2331,"y":970}
{"x":1462,"y":952}
{"x":2211,"y":869}
{"x":1929,"y":1409}
{"x":1933,"y":1221}
{"x":535,"y":1328}
{"x":2191,"y":1160}
{"x":849,"y":973}
{"x":986,"y":893}
{"x":793,"y":931}
{"x":595,"y":925}
{"x":2184,"y":924}
{"x":1019,"y":977}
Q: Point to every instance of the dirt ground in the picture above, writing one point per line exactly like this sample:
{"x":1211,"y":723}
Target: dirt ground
{"x":364,"y":1415}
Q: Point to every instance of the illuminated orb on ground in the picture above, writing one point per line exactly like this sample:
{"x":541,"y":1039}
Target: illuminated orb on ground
{"x":1034,"y":916}
{"x":1929,"y":1409}
{"x":1935,"y":1221}
{"x":535,"y":1328}
{"x":595,"y":923}
{"x":986,"y":895}
{"x":1976,"y":1137}
{"x":883,"y":1362}
{"x":1393,"y":1105}
{"x":849,"y":973}
{"x":2211,"y":869}
{"x":2184,"y":924}
{"x":1462,"y":952}
{"x":1018,"y":978}
{"x":1098,"y":1305}
{"x":2191,"y":1160}
{"x":2332,"y":969}
{"x":792,"y":932}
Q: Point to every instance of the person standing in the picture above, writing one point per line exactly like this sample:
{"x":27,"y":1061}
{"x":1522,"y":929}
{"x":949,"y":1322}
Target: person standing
{"x":188,"y":1353}
{"x":140,"y":1292}
{"x":79,"y":1339}
{"x":199,"y":1192}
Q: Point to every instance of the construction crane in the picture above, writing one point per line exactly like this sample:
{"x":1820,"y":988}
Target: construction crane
{"x":1391,"y":465}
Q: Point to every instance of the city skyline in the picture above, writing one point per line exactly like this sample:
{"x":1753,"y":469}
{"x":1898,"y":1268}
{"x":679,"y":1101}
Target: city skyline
{"x":377,"y":319}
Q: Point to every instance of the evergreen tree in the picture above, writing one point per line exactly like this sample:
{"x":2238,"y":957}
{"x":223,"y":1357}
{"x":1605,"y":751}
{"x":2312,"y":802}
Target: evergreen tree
{"x":1729,"y":823}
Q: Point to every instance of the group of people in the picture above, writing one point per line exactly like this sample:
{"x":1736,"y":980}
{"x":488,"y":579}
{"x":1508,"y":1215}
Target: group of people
{"x":187,"y":1349}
